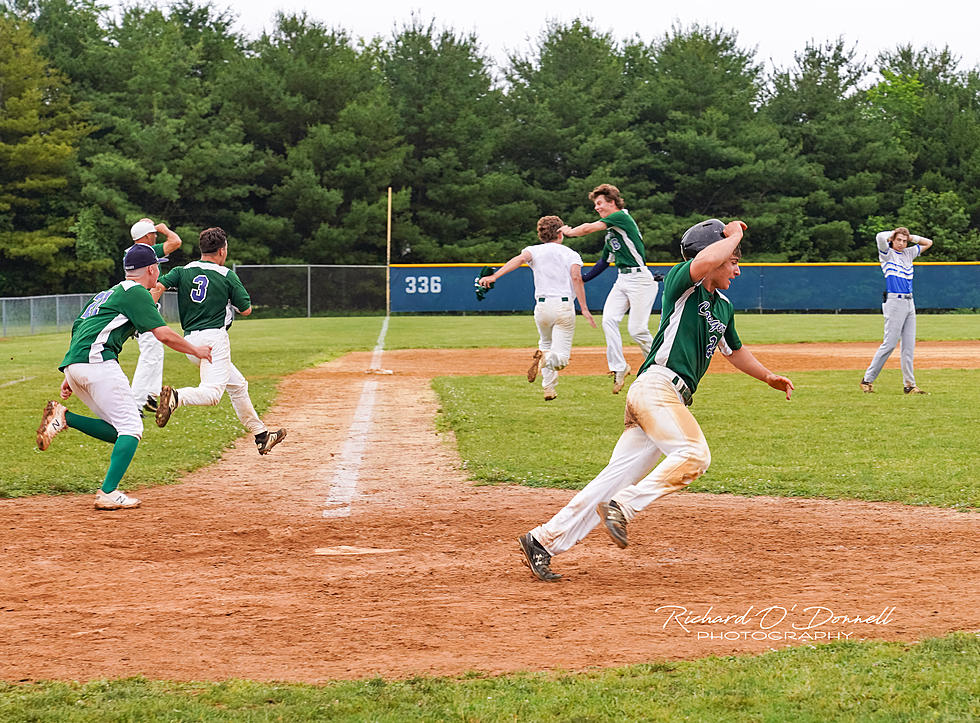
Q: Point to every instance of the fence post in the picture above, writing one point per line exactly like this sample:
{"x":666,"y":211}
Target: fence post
{"x":308,"y":267}
{"x":32,"y":315}
{"x":4,"y":314}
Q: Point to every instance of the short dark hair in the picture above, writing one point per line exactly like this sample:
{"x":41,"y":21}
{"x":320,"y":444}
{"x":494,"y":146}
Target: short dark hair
{"x":548,"y":228}
{"x":609,"y":191}
{"x":212,"y":239}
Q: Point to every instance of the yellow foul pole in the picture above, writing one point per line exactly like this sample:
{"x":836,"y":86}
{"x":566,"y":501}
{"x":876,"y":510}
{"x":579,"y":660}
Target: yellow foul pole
{"x":388,"y":262}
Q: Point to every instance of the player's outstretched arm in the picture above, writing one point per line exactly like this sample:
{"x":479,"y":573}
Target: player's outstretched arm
{"x":579,"y":289}
{"x":600,"y":266}
{"x":583,"y":229}
{"x":745,"y":361}
{"x":515,"y":263}
{"x":178,"y":343}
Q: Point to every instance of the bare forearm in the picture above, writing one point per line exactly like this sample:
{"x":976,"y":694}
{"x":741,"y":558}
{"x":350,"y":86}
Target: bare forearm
{"x":174,"y":340}
{"x":745,"y":362}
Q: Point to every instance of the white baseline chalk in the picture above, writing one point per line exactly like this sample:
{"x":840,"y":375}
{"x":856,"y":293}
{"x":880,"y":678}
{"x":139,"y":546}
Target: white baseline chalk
{"x":343,"y":486}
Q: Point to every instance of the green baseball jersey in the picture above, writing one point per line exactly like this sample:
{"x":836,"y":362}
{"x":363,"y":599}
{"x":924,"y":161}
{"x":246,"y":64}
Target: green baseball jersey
{"x":109,"y":319}
{"x":207,"y":295}
{"x":624,"y":244}
{"x":693,"y":323}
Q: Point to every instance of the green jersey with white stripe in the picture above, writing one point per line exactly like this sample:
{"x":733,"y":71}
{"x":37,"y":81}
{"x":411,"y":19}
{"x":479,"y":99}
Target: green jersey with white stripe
{"x":207,"y":295}
{"x":624,"y":244}
{"x":693,"y":323}
{"x":109,"y":319}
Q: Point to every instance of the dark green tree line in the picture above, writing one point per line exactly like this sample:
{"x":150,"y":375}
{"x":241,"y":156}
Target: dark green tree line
{"x":291,"y":140}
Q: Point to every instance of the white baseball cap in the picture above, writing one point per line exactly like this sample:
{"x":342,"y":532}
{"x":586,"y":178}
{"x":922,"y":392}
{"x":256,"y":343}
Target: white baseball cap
{"x":141,"y":228}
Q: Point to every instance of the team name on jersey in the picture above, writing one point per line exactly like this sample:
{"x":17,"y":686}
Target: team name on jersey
{"x":704,"y":309}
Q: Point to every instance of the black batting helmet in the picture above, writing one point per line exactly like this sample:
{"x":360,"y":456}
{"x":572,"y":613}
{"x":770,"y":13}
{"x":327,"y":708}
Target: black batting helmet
{"x":700,"y":236}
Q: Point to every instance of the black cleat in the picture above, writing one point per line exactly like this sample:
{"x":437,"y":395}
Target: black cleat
{"x":614,"y":520}
{"x":270,"y":440}
{"x":537,"y":558}
{"x":166,"y":405}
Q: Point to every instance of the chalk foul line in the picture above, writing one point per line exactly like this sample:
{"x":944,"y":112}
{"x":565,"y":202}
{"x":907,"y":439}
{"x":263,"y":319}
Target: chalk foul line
{"x":343,"y":485}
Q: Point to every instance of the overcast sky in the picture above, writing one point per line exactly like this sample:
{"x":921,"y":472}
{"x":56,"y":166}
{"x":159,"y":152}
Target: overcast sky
{"x":776,"y":29}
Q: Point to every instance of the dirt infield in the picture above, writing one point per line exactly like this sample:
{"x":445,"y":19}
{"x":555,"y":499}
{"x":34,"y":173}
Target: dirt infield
{"x":237,"y":573}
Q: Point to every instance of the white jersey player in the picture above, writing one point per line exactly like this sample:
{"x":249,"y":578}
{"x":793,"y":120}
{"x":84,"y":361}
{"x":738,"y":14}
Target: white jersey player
{"x":557,"y":279}
{"x":148,"y":376}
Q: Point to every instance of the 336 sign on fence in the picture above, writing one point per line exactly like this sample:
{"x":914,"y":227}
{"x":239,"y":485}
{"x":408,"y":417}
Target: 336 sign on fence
{"x":423,"y":284}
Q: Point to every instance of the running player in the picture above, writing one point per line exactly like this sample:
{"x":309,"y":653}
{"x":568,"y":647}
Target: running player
{"x":92,"y":370}
{"x":635,"y":290}
{"x":208,"y":295}
{"x":148,"y":376}
{"x":698,"y":319}
{"x":557,"y":275}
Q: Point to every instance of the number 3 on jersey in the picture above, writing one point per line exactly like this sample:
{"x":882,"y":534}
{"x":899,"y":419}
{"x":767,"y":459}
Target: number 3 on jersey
{"x":200,"y":289}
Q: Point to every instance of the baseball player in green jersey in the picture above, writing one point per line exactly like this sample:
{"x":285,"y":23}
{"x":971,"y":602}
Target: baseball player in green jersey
{"x":148,"y":376}
{"x":635,"y":289}
{"x":92,"y":371}
{"x":208,"y":295}
{"x":697,"y":319}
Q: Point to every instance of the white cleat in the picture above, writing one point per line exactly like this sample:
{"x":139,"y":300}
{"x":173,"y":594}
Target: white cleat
{"x":115,"y":500}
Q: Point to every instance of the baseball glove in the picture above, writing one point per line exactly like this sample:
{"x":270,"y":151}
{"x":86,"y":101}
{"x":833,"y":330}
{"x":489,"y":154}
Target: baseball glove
{"x":479,"y":290}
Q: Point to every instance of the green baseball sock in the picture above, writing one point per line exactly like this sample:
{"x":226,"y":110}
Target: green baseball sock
{"x":122,"y":454}
{"x":98,"y":428}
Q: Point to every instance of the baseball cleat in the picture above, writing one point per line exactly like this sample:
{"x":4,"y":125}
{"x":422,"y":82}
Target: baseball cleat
{"x":549,"y":393}
{"x":914,"y":390}
{"x":614,"y":520}
{"x":52,"y":422}
{"x":866,"y":387}
{"x":270,"y":440}
{"x":151,"y":404}
{"x":166,"y":405}
{"x":537,"y":558}
{"x":115,"y":500}
{"x":619,"y":378}
{"x":532,"y":371}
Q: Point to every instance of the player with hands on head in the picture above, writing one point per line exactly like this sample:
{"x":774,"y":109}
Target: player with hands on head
{"x":635,"y":289}
{"x":897,"y":250}
{"x":208,"y":295}
{"x":148,"y":376}
{"x":93,"y":374}
{"x":557,"y":277}
{"x":698,"y":319}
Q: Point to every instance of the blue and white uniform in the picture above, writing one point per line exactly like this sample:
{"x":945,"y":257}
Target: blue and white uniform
{"x":897,"y":306}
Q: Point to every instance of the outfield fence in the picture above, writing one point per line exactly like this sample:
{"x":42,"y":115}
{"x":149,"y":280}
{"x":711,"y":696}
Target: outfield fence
{"x":333,"y":290}
{"x":26,"y":315}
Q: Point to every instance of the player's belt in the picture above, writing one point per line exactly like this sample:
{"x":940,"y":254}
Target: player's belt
{"x":682,"y":389}
{"x":899,"y":296}
{"x":542,"y":298}
{"x":630,"y":269}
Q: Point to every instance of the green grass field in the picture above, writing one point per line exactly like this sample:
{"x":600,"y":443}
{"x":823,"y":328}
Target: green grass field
{"x":932,"y":680}
{"x":829,"y":441}
{"x":267,"y":349}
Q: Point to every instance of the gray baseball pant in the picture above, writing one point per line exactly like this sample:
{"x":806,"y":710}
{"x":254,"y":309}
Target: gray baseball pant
{"x":899,"y":325}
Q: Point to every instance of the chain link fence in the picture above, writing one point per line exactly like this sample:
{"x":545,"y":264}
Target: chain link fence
{"x":26,"y":315}
{"x":314,"y":290}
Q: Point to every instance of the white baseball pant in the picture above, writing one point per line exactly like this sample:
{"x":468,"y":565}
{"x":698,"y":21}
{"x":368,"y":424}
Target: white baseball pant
{"x":556,"y":327}
{"x":899,"y":324}
{"x":148,"y":377}
{"x":664,"y":427}
{"x":633,"y":292}
{"x":217,"y":376}
{"x":104,"y":389}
